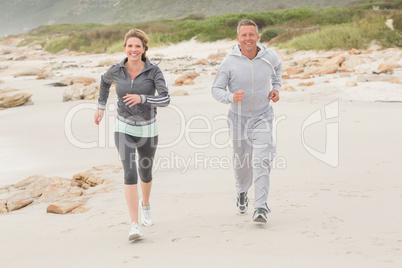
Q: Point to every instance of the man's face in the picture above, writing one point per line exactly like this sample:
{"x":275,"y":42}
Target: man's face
{"x":248,"y":38}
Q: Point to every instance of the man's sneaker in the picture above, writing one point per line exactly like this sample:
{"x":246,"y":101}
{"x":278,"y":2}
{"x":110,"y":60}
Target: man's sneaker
{"x":146,"y":216}
{"x":242,"y":202}
{"x":135,"y":232}
{"x":260,"y":215}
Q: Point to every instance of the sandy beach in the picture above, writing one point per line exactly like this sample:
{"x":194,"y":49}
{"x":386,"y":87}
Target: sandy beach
{"x":335,"y":195}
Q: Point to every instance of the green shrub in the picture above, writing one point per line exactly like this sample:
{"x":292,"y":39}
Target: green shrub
{"x":57,"y":44}
{"x":197,"y":16}
{"x":397,"y":22}
{"x":90,"y":37}
{"x":346,"y":36}
{"x":268,"y":34}
{"x":292,"y":33}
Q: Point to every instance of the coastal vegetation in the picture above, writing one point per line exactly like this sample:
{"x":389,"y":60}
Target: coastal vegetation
{"x":297,"y":28}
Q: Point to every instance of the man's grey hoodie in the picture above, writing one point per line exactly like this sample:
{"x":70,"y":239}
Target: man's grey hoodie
{"x":256,"y":77}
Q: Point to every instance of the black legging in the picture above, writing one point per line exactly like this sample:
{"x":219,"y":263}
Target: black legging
{"x":127,"y":145}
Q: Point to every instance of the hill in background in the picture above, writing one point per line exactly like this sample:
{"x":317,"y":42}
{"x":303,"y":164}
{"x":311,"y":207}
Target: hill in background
{"x":18,"y":16}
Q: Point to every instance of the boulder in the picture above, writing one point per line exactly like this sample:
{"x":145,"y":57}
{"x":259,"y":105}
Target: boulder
{"x":28,"y":71}
{"x":386,"y":67}
{"x":78,"y":80}
{"x":60,"y":191}
{"x":201,"y":61}
{"x":336,"y":60}
{"x":67,"y":205}
{"x":360,"y":70}
{"x":3,"y":206}
{"x":351,"y":84}
{"x":88,"y":178}
{"x":44,"y":75}
{"x":353,"y":62}
{"x":24,"y":183}
{"x":20,"y":58}
{"x":14,"y":98}
{"x":90,"y":92}
{"x":19,"y":200}
{"x":186,"y":79}
{"x":294,"y":70}
{"x":54,"y":191}
{"x":308,"y":84}
{"x":5,"y":189}
{"x":36,"y":188}
{"x":305,"y":76}
{"x":179,"y":92}
{"x":307,"y":62}
{"x":287,"y":88}
{"x":73,"y":92}
{"x":74,"y":191}
{"x":324,"y":70}
{"x":354,"y":51}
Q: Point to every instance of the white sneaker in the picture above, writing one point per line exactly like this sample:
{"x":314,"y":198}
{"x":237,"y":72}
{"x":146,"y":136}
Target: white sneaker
{"x":135,"y":232}
{"x":260,"y":215}
{"x":146,"y":216}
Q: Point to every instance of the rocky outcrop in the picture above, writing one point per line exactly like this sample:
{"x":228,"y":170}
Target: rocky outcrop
{"x":386,"y":67}
{"x":81,"y":92}
{"x":186,"y":79}
{"x":13,"y":98}
{"x":78,"y":80}
{"x":18,"y":201}
{"x":307,"y":84}
{"x":217,"y":56}
{"x":28,"y":71}
{"x":294,"y":70}
{"x":201,"y":61}
{"x":66,"y":205}
{"x":64,"y":195}
{"x":45,"y":74}
{"x":358,"y":62}
{"x":287,"y":88}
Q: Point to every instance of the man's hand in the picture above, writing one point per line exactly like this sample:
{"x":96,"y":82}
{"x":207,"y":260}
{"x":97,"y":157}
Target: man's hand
{"x":238,"y":96}
{"x":274,"y":95}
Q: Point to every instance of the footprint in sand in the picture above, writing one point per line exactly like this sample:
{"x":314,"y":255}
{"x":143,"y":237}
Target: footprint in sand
{"x":180,"y":238}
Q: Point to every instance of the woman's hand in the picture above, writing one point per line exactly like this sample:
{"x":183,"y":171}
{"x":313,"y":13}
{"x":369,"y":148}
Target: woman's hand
{"x":132,"y":99}
{"x":98,"y":116}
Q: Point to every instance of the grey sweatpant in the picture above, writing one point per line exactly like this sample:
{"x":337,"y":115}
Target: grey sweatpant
{"x":253,"y":152}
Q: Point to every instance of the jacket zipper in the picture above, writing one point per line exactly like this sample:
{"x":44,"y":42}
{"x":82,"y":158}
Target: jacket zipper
{"x":252,"y":88}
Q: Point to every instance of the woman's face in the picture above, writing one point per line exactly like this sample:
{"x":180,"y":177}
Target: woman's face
{"x":134,"y":49}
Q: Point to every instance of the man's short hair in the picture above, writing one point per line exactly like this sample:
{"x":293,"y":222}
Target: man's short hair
{"x":247,"y":22}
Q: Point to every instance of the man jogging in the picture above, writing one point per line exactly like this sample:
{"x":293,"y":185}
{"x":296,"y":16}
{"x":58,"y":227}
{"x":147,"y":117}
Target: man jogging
{"x":249,"y":78}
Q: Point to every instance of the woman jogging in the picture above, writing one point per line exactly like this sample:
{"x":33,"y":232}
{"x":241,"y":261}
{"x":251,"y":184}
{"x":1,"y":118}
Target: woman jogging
{"x":137,"y":80}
